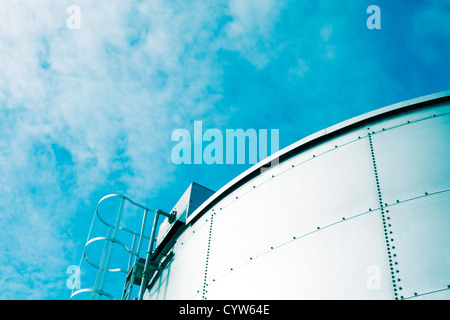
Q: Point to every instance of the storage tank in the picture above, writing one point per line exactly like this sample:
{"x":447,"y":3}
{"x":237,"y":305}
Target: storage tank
{"x":356,"y":211}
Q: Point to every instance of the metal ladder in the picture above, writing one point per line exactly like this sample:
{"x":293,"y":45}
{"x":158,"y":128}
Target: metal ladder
{"x":138,"y":268}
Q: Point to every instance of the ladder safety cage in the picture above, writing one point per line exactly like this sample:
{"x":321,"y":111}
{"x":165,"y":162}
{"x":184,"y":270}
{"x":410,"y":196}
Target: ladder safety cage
{"x":138,"y":267}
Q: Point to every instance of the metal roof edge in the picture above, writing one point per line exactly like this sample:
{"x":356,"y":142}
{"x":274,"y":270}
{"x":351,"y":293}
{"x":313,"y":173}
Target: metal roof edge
{"x":290,"y":150}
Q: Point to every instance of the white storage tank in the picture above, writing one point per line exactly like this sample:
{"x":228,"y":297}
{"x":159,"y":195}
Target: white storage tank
{"x":356,"y":211}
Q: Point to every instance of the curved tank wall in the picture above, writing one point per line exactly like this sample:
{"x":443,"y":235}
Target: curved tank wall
{"x":357,"y":211}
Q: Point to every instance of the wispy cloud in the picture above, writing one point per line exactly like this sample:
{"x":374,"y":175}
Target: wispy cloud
{"x":251,"y":29}
{"x":93,"y":108}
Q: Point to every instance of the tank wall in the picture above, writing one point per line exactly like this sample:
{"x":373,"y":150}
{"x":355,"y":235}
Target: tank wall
{"x":361,"y":216}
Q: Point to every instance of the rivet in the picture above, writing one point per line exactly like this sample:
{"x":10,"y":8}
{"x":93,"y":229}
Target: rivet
{"x":253,"y":186}
{"x":318,"y":228}
{"x":426,"y":193}
{"x":293,"y":237}
{"x":343,"y":218}
{"x":292,"y":166}
{"x":415,"y":293}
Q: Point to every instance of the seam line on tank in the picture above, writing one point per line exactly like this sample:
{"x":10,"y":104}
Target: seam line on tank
{"x":387,"y":227}
{"x":205,"y":284}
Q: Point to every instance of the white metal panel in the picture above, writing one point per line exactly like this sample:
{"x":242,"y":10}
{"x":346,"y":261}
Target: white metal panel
{"x":317,"y":193}
{"x":413,"y":159}
{"x":420,"y":233}
{"x":183,"y":278}
{"x":331,"y":263}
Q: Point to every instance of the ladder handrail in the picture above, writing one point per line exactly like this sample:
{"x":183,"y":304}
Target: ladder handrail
{"x":112,"y":239}
{"x":126,"y":198}
{"x":112,"y":195}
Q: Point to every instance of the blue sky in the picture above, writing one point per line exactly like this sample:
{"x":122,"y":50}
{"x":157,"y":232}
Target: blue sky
{"x":90,"y":111}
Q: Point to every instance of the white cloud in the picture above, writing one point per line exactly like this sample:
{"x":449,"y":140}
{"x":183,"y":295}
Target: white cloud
{"x":80,"y":105}
{"x":298,"y":71}
{"x":251,"y":29}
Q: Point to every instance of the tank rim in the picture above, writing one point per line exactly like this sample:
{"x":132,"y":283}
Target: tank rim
{"x":316,"y":138}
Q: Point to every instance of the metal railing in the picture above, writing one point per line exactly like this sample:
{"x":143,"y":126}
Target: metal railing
{"x":111,"y":239}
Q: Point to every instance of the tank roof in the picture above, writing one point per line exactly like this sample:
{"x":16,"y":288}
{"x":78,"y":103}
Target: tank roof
{"x":316,"y":138}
